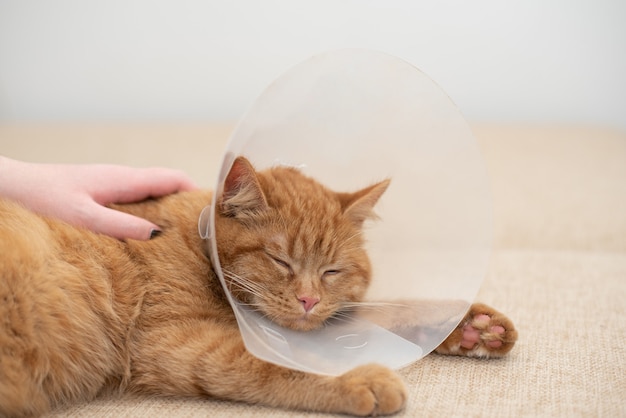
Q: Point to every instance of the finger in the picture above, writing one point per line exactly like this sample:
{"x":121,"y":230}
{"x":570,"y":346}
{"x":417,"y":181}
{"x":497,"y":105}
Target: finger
{"x":120,"y":225}
{"x":163,"y":181}
{"x":136,"y":184}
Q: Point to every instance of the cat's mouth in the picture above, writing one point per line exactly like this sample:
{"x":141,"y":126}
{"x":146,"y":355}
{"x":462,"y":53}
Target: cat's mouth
{"x":300,"y":315}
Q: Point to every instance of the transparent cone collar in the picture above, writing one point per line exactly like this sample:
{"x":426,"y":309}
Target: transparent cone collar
{"x":350,"y":118}
{"x":204,"y":224}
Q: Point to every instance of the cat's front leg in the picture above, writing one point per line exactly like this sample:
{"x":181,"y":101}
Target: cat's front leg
{"x":206,"y":360}
{"x":484,"y":332}
{"x":368,"y":390}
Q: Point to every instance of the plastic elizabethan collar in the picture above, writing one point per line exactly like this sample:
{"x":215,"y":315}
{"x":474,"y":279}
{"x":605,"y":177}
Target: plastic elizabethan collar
{"x":349,"y":118}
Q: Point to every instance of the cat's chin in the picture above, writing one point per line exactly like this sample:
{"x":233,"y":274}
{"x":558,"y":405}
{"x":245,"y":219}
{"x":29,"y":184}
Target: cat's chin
{"x":306,"y":325}
{"x":303,"y":323}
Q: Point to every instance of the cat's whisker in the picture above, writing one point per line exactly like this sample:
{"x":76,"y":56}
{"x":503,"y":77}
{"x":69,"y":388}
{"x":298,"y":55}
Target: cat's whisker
{"x":255,"y":306}
{"x":244,"y":281}
{"x":373,"y":305}
{"x":247,"y":285}
{"x":340,"y":316}
{"x":271,"y":317}
{"x":383,"y":308}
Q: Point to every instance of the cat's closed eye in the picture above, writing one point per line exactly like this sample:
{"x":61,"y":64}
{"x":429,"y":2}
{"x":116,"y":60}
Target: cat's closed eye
{"x":329,"y":273}
{"x":282,"y":264}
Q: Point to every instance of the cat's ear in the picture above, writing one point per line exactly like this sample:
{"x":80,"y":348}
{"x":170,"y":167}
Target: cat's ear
{"x":359,"y":206}
{"x":242,"y":193}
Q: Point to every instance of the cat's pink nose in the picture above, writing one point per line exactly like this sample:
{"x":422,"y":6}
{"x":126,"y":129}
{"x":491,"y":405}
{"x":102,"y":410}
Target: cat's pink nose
{"x":308,"y":302}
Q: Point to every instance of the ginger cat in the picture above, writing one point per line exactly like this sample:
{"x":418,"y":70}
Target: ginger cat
{"x":80,"y":312}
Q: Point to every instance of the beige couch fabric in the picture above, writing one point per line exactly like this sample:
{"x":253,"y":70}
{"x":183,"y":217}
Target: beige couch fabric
{"x":558,"y":268}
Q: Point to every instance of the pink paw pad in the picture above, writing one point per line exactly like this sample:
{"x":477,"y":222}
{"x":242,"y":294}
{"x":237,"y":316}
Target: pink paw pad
{"x":478,"y":330}
{"x":481,"y":320}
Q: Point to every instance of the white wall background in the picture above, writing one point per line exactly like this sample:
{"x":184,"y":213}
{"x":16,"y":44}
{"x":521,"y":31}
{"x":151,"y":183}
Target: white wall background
{"x":193,"y":60}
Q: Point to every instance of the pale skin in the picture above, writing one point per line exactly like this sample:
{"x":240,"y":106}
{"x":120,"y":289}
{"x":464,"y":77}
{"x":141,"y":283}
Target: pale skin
{"x":79,"y":194}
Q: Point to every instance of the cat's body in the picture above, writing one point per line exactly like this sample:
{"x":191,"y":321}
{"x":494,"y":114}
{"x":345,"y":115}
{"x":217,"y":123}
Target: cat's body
{"x":80,"y":312}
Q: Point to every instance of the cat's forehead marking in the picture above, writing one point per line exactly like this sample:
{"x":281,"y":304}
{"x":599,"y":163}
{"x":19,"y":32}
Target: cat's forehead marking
{"x":279,"y":239}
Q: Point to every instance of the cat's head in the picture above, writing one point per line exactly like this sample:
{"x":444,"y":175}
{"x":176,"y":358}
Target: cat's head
{"x":290,"y":247}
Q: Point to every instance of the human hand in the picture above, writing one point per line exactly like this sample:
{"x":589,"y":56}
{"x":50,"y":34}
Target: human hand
{"x":78,"y":194}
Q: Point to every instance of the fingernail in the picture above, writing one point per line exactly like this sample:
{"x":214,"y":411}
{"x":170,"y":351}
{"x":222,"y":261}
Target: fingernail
{"x":155,"y":233}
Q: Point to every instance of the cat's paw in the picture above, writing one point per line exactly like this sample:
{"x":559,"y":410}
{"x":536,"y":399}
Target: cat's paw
{"x":484,"y":332}
{"x":371,"y":390}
